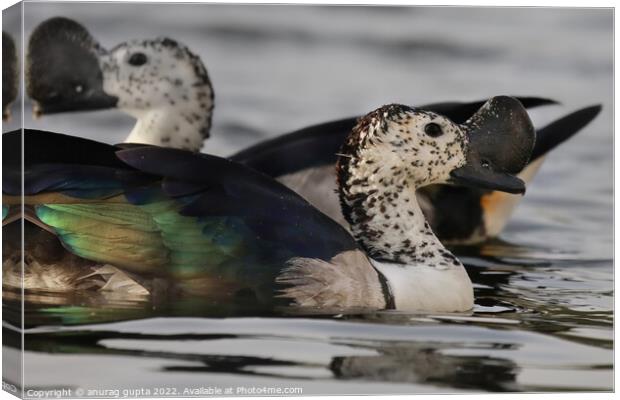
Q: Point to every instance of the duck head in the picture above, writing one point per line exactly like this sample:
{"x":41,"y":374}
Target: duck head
{"x":159,"y":81}
{"x":62,"y":69}
{"x":166,"y":87}
{"x":427,"y":148}
{"x":395,"y":150}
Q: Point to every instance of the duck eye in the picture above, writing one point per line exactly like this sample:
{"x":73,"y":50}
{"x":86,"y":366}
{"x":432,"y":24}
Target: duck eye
{"x":484,"y":163}
{"x":433,"y":130}
{"x":137,"y":59}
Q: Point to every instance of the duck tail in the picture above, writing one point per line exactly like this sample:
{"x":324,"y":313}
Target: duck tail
{"x":560,"y":130}
{"x":532,"y":102}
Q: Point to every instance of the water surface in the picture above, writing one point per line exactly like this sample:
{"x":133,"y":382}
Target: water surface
{"x":544,"y":292}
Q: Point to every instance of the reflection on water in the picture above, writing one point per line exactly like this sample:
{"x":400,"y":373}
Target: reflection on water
{"x":538,"y":325}
{"x":544,"y":294}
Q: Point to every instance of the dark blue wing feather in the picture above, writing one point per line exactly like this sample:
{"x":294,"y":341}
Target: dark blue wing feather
{"x":274,"y":213}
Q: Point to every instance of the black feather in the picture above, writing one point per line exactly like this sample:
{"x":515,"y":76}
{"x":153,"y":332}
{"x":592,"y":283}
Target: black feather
{"x":461,"y":112}
{"x":62,"y":163}
{"x":312,"y":146}
{"x":41,"y":147}
{"x":178,"y":188}
{"x":277,"y":216}
{"x":560,"y":130}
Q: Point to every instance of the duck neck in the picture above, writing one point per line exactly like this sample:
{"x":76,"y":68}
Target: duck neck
{"x":420,"y":274}
{"x":389,"y":224}
{"x":380,"y":166}
{"x":183,"y":123}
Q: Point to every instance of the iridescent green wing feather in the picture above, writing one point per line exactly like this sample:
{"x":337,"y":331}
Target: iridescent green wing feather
{"x":105,"y":211}
{"x":149,"y":238}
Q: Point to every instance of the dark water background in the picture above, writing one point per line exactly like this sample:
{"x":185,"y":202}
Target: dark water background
{"x":544,"y":294}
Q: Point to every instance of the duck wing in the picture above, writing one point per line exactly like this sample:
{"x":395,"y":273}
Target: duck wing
{"x":301,"y":255}
{"x":106,"y":211}
{"x":460,"y":112}
{"x":211,"y":186}
{"x":167,"y":212}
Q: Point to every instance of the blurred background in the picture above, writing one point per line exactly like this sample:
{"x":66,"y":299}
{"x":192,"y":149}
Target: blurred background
{"x":277,"y":68}
{"x":544,"y":317}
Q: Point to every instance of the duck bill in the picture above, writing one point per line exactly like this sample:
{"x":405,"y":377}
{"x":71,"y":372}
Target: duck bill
{"x":500,"y":142}
{"x":503,"y":182}
{"x":59,"y":103}
{"x":63,"y":72}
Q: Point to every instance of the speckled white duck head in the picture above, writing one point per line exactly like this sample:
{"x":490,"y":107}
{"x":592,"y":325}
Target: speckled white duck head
{"x":395,"y":150}
{"x":166,"y":87}
{"x":398,"y":143}
{"x":159,"y":81}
